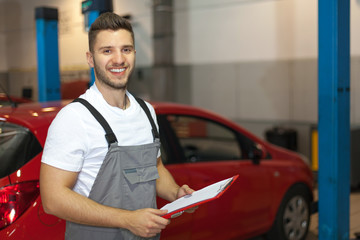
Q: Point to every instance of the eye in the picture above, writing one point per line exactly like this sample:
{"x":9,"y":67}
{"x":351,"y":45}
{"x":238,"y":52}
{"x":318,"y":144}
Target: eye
{"x":127,"y":50}
{"x":106,"y":51}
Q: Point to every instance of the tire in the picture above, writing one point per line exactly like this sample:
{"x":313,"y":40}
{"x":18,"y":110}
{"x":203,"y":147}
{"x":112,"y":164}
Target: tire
{"x":293,"y":217}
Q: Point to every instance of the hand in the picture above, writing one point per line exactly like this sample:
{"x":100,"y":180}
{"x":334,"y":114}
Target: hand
{"x":147,"y":222}
{"x":186,"y":190}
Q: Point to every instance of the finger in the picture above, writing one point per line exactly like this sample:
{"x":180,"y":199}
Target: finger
{"x":158,"y":211}
{"x":187,"y":189}
{"x":151,"y":234}
{"x":163,"y":222}
{"x":191,"y":210}
{"x":157,"y":218}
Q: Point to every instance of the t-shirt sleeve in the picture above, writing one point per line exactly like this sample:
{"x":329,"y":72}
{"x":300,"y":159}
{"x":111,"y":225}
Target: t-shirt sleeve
{"x":65,"y":144}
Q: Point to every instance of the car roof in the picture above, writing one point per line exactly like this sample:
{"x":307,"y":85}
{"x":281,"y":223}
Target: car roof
{"x":32,"y":114}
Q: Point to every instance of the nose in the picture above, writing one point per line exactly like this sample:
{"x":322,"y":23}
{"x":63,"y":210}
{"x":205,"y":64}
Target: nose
{"x":118,"y":57}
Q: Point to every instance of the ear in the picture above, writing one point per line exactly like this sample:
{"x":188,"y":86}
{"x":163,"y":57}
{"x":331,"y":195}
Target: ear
{"x":90,"y":59}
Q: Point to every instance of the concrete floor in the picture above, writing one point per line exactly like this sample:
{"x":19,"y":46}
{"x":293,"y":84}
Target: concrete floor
{"x":354,"y":218}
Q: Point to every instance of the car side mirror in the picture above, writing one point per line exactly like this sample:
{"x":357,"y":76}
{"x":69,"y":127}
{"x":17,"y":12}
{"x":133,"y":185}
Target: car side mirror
{"x":256,"y":154}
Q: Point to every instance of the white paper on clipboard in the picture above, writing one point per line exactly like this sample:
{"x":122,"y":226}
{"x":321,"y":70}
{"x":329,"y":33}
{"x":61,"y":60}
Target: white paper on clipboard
{"x":200,"y":196}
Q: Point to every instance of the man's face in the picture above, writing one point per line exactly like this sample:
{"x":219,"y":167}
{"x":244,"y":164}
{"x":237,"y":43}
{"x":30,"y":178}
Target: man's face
{"x":113,"y":58}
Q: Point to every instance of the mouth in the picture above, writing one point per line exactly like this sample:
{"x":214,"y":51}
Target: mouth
{"x":117,"y":70}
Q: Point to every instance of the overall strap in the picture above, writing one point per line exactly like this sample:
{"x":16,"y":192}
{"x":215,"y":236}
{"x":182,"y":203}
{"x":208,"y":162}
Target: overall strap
{"x":148,"y":114}
{"x":110,"y":136}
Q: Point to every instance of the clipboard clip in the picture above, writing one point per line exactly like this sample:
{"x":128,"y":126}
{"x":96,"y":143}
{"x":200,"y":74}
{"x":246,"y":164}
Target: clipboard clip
{"x":225,"y":185}
{"x":177,"y":214}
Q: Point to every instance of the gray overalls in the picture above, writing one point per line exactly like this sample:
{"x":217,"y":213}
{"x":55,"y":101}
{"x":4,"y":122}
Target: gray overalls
{"x":126,"y":180}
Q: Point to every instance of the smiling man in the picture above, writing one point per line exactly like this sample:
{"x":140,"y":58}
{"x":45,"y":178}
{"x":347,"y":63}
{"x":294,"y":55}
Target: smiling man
{"x":101,"y":167}
{"x":115,"y":58}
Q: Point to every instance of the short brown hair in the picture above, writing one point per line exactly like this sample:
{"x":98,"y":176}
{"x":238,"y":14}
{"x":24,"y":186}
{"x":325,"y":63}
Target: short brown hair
{"x":108,"y":21}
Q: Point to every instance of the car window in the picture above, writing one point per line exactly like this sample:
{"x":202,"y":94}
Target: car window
{"x":204,"y":140}
{"x":17,"y":146}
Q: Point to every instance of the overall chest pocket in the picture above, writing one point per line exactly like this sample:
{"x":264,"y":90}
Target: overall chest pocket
{"x":140,"y":187}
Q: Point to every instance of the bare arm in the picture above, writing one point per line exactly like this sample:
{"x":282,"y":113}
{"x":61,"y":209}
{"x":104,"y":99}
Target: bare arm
{"x":60,"y":200}
{"x":166,"y":186}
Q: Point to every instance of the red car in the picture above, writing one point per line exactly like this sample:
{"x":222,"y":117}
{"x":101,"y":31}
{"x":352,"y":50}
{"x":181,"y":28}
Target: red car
{"x":271,"y":197}
{"x":6,"y":100}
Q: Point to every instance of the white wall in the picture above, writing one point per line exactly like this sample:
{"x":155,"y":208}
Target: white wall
{"x":239,"y":48}
{"x":251,"y":59}
{"x":3,"y":59}
{"x":18,"y":32}
{"x":355,"y":67}
{"x":142,"y":21}
{"x":73,"y":42}
{"x":73,"y":39}
{"x":233,"y":30}
{"x":212,"y":31}
{"x":258,"y":58}
{"x":206,"y":31}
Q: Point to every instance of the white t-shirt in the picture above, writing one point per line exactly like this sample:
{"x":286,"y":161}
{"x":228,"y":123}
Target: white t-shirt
{"x":76,"y":141}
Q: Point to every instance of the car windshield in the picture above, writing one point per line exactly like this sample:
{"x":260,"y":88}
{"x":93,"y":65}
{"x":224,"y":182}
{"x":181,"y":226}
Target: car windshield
{"x":4,"y":103}
{"x":17,"y":146}
{"x":4,"y":100}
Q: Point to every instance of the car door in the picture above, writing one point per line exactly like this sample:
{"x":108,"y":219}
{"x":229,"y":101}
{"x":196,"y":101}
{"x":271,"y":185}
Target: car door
{"x":207,"y":152}
{"x":180,"y":227}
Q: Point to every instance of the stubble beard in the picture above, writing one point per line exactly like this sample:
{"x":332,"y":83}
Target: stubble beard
{"x":101,"y":76}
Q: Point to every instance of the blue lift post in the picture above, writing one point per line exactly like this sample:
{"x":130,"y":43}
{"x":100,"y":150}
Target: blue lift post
{"x":334,"y":119}
{"x":92,"y":10}
{"x":47,"y":54}
{"x":91,"y":17}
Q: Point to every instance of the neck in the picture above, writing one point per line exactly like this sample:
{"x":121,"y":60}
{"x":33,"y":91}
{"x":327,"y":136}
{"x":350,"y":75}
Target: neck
{"x":114,"y":97}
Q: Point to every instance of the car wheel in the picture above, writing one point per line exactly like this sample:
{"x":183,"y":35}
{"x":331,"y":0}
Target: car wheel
{"x":293,"y":217}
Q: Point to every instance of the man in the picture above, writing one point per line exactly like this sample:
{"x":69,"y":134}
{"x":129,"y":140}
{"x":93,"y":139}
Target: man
{"x":101,"y":169}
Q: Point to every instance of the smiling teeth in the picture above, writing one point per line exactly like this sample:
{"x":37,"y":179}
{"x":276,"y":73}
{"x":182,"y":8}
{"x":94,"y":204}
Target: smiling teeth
{"x":117,"y":70}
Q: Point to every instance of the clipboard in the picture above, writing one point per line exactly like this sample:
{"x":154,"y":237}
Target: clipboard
{"x":204,"y":195}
